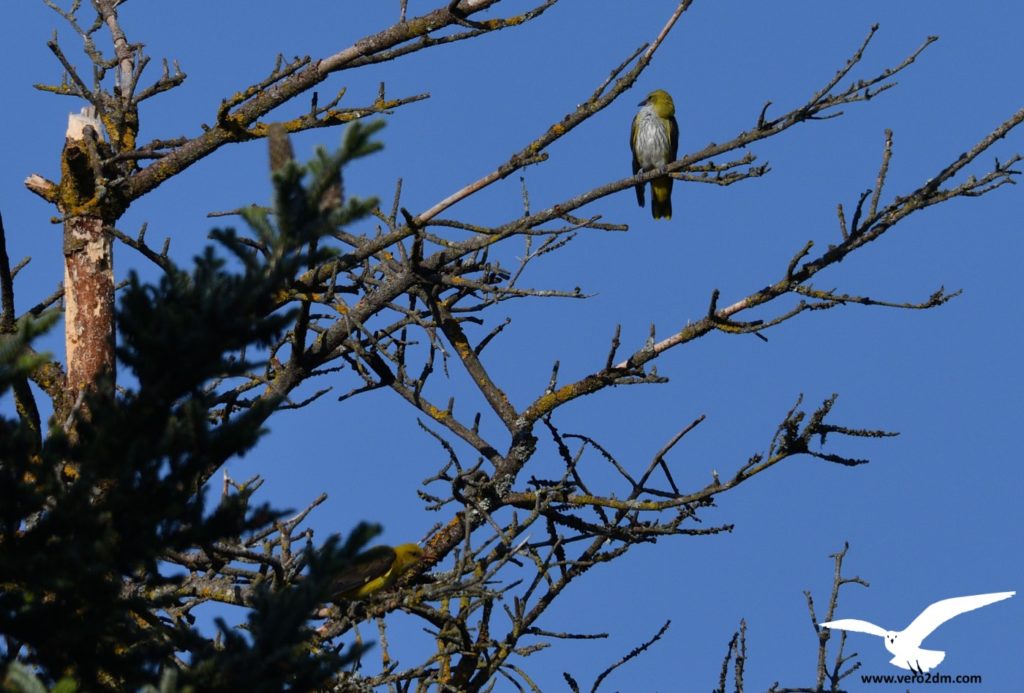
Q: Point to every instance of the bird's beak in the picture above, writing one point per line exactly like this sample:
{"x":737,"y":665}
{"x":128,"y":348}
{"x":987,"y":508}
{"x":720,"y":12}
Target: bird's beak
{"x":644,"y":102}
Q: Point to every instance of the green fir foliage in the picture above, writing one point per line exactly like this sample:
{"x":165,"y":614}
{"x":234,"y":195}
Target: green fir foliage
{"x":110,"y":491}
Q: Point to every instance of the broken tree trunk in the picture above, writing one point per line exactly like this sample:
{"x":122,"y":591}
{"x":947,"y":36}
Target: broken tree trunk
{"x":88,"y":261}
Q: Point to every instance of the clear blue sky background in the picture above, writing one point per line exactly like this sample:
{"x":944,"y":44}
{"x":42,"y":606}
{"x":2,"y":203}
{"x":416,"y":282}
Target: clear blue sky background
{"x":938,"y":511}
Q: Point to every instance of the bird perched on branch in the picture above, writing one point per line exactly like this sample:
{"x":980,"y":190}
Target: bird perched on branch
{"x":655,"y":141}
{"x":376,"y":569}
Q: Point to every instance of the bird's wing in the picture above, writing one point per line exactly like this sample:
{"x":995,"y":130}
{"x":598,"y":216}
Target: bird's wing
{"x":855,"y":625}
{"x":673,"y":138}
{"x":369,"y":565}
{"x":632,"y":143}
{"x":636,"y":164}
{"x":940,"y":612}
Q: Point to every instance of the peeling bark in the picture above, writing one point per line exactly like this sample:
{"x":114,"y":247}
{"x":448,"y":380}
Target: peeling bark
{"x":89,"y":302}
{"x":88,"y":261}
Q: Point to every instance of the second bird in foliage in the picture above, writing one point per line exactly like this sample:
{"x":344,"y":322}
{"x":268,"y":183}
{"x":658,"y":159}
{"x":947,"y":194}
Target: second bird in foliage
{"x":655,"y":140}
{"x":376,"y":569}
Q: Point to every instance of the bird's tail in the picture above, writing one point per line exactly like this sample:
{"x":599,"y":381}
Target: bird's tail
{"x":923,"y":660}
{"x":661,"y":198}
{"x":640,"y":194}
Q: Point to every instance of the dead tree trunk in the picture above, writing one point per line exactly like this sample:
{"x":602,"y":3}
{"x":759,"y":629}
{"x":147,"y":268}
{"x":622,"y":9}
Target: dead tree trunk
{"x":88,"y":262}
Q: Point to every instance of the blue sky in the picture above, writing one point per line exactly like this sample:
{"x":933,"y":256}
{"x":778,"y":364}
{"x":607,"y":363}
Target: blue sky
{"x":936,"y":514}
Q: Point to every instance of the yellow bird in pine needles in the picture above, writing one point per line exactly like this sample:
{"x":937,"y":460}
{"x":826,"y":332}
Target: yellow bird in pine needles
{"x":655,"y":141}
{"x":376,"y":569}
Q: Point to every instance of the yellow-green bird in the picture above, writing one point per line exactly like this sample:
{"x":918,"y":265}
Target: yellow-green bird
{"x":376,"y":569}
{"x":655,"y":141}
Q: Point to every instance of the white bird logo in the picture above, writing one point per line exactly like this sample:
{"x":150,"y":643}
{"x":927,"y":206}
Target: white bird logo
{"x":906,"y":644}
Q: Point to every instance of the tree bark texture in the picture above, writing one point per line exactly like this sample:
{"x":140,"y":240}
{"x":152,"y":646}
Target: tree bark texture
{"x":88,"y":260}
{"x":89,"y":302}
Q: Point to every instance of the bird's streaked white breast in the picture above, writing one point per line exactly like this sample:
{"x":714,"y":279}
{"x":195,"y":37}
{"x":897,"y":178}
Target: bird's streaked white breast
{"x":650,"y":139}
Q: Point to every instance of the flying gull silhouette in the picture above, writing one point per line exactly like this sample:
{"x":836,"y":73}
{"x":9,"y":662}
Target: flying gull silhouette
{"x":906,"y":644}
